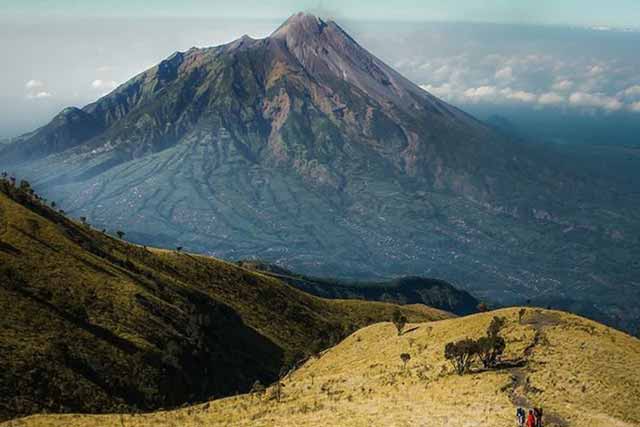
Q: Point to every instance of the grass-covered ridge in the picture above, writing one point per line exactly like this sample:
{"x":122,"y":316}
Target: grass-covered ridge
{"x":404,"y":290}
{"x":580,"y":372}
{"x":91,"y":323}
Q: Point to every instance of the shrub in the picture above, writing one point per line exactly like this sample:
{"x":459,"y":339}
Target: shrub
{"x":399,"y":321}
{"x":461,"y":354}
{"x":257,"y":388}
{"x":490,"y":349}
{"x":496,"y":325}
{"x":405,"y":357}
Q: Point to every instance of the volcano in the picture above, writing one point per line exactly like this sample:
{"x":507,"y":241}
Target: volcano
{"x":304,"y":149}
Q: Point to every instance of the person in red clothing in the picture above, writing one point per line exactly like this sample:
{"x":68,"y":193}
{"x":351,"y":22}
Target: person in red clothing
{"x":531,"y":419}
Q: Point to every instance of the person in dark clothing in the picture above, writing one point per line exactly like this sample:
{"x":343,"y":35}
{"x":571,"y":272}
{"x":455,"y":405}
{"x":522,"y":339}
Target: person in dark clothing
{"x":537,"y":412}
{"x":521,"y":416}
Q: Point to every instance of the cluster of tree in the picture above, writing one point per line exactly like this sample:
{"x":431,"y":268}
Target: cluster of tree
{"x":488,"y":349}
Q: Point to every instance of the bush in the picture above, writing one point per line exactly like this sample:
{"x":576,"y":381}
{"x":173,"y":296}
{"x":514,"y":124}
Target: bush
{"x":399,"y":321}
{"x":461,"y":354}
{"x":496,"y":325}
{"x":405,"y":357}
{"x":490,"y":349}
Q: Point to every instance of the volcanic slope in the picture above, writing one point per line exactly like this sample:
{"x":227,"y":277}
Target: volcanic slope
{"x":91,"y":323}
{"x":306,"y":149}
{"x":580,"y":372}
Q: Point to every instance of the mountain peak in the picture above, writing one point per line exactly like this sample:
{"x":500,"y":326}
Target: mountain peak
{"x":299,"y":24}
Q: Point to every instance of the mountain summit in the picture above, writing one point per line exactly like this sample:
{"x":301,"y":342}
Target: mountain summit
{"x":305,"y":149}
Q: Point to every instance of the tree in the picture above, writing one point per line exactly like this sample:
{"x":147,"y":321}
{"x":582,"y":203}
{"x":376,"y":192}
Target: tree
{"x":53,"y":205}
{"x":25,"y":186}
{"x":490,"y":349}
{"x":405,"y":357}
{"x":83,"y":219}
{"x":496,"y":325}
{"x":399,"y":321}
{"x":521,"y":314}
{"x":179,"y":249}
{"x":257,"y":388}
{"x":120,"y":234}
{"x":482,"y":307}
{"x":461,"y":354}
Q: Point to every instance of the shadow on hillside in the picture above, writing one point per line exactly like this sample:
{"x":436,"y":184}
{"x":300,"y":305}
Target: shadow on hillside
{"x":32,"y":237}
{"x":408,"y":331}
{"x":9,"y":249}
{"x":95,"y":330}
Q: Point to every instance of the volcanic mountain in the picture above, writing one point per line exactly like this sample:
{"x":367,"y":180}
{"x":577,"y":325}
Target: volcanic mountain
{"x":305,"y":149}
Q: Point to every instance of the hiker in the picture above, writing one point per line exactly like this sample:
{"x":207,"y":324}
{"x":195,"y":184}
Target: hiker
{"x":531,"y":419}
{"x":520,"y":414}
{"x":537,"y":412}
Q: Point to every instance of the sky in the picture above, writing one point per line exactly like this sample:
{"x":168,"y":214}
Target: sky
{"x":71,"y":52}
{"x":618,"y":13}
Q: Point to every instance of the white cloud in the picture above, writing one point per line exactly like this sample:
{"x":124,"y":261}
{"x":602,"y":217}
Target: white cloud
{"x":596,"y":70}
{"x":482,"y":93}
{"x":39,"y":95}
{"x":104,"y":84}
{"x":632,"y":91}
{"x":37,"y":89}
{"x":443,"y":91}
{"x":519,"y":95}
{"x":504,"y":74}
{"x":34,"y":84}
{"x":551,"y":98}
{"x":562,"y":85}
{"x":598,"y":100}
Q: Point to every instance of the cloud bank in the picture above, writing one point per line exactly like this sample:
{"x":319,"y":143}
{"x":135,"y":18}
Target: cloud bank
{"x":541,"y":81}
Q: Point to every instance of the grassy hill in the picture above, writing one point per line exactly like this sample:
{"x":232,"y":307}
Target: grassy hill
{"x":91,"y":323}
{"x":580,"y":372}
{"x":404,"y":290}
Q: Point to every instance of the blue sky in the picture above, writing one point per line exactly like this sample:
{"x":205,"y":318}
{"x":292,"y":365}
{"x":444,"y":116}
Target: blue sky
{"x":615,"y":13}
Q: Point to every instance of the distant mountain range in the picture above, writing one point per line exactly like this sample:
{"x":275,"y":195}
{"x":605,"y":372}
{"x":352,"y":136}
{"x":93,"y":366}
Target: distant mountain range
{"x":304,"y":149}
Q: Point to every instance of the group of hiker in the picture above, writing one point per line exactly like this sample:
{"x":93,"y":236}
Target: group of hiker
{"x":532,"y":419}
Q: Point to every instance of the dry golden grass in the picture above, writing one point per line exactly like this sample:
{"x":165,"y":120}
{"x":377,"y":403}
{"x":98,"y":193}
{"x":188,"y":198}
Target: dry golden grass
{"x":91,"y":323}
{"x":582,"y":373}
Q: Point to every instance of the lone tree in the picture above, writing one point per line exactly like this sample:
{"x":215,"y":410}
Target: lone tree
{"x":521,"y":314}
{"x":120,"y":234}
{"x":258,"y":389}
{"x":405,"y":357}
{"x":179,"y":249}
{"x":399,"y":321}
{"x":461,"y":354}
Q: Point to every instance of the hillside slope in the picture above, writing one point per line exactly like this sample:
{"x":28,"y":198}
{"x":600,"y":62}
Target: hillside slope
{"x":404,"y":290}
{"x":91,"y":323}
{"x":305,"y":148}
{"x":580,"y":372}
